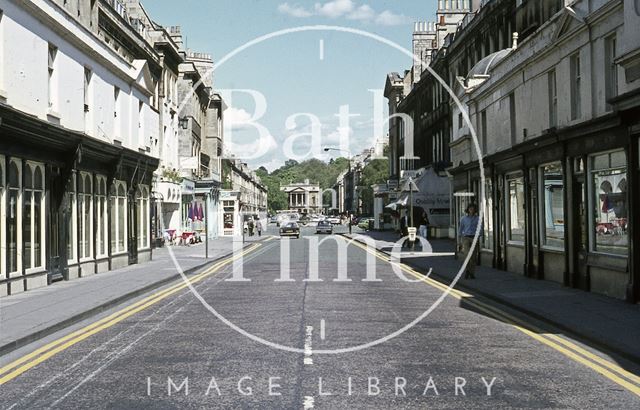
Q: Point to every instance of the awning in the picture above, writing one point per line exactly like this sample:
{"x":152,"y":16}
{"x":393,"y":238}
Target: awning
{"x":400,"y":203}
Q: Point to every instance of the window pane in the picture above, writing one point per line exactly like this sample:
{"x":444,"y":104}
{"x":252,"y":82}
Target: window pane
{"x":553,"y":197}
{"x":516,"y":210}
{"x":113,"y":223}
{"x":121,"y":223}
{"x":37,"y":229}
{"x":28,"y":177}
{"x":488,"y":215}
{"x":104,"y":226}
{"x":26,"y":209}
{"x":610,"y":188}
{"x":37,"y":179}
{"x":14,"y":180}
{"x":81,"y":221}
{"x":87,"y":226}
{"x":12,"y":222}
{"x":71,"y":249}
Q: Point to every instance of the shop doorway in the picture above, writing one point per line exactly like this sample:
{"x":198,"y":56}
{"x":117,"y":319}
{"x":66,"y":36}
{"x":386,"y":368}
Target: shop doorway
{"x":132,"y":230}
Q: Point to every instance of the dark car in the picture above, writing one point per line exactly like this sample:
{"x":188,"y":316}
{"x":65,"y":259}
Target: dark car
{"x":324,"y":227}
{"x":290,"y":229}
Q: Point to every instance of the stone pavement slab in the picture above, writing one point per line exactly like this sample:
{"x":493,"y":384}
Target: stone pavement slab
{"x":31,"y":315}
{"x":602,"y":321}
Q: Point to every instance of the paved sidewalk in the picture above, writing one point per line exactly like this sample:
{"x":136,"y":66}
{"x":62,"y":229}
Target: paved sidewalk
{"x":31,"y":315}
{"x":599,"y":320}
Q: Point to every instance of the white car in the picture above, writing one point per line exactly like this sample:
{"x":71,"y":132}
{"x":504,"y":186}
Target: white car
{"x":335,"y":220}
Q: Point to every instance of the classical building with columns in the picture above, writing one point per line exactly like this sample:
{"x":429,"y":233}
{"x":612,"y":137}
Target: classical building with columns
{"x":304,"y":197}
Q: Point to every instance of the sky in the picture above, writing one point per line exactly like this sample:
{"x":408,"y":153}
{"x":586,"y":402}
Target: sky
{"x":301,"y":79}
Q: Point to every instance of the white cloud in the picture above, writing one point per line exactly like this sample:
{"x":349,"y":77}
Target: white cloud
{"x":388,"y":18}
{"x":237,"y":118}
{"x":335,"y":8}
{"x":348,"y":9}
{"x":364,"y":13}
{"x":294,"y":10}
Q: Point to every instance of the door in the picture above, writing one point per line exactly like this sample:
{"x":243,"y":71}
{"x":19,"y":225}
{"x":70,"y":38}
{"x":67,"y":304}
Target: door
{"x":580,"y":234}
{"x":531,"y":239}
{"x":58,"y":218}
{"x":500,"y":222}
{"x":132,"y":229}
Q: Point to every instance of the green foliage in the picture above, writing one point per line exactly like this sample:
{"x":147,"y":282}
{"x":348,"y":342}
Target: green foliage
{"x":376,"y":172}
{"x":292,"y":171}
{"x":172,"y":175}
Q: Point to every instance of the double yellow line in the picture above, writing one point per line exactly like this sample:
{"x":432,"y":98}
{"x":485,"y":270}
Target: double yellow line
{"x":21,"y":365}
{"x":599,"y":364}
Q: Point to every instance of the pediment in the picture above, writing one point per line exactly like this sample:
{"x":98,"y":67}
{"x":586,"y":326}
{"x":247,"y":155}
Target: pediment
{"x":570,"y":21}
{"x":143,"y":76}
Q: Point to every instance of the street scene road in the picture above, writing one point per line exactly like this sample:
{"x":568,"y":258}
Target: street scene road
{"x":337,"y":204}
{"x":175,"y":353}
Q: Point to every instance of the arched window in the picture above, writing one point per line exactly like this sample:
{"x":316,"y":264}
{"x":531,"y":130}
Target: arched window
{"x":102,"y":223}
{"x":142,"y":198}
{"x":33,"y":208}
{"x":118,"y":218}
{"x":13,"y":215}
{"x":85,"y":207}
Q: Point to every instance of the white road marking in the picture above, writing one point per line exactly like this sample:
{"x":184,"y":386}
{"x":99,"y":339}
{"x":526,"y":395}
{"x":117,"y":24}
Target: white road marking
{"x":308,"y":402}
{"x":322,"y":329}
{"x":321,"y":49}
{"x":307,"y":345}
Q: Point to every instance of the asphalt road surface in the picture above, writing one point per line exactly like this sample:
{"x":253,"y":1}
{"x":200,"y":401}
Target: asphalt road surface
{"x":280,"y":341}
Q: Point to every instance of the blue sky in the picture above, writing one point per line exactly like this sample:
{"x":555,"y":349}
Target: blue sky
{"x":290,"y":71}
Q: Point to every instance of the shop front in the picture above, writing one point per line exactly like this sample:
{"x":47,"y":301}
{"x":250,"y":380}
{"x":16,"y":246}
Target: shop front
{"x":558,"y":208}
{"x":71,"y":205}
{"x":229,"y":221}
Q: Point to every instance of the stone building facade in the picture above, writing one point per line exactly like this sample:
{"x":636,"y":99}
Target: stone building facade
{"x":556,"y":116}
{"x":78,"y":121}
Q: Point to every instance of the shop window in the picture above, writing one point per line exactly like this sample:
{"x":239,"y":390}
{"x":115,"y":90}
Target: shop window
{"x":72,"y":218}
{"x":102,"y":224}
{"x":118,"y":218}
{"x":553,"y":205}
{"x":85,"y":207}
{"x":610,"y":203}
{"x":487,"y":223}
{"x":13,"y":214}
{"x":33,"y":209}
{"x":515,"y":207}
{"x":142,"y":197}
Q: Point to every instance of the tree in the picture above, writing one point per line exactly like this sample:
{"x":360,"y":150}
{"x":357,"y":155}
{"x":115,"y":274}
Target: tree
{"x":375,"y":172}
{"x":315,"y":170}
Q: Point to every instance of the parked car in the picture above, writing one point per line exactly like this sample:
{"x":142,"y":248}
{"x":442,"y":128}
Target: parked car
{"x":304,"y":220}
{"x":363,"y":223}
{"x":290,"y":229}
{"x":324,"y":227}
{"x":273,"y":219}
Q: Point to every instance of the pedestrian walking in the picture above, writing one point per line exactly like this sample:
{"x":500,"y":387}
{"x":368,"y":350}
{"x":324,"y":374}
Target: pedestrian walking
{"x":466,"y":232}
{"x":259,"y":228}
{"x":423,"y":226}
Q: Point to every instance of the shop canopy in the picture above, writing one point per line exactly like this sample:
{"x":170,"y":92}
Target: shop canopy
{"x":433,"y":195}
